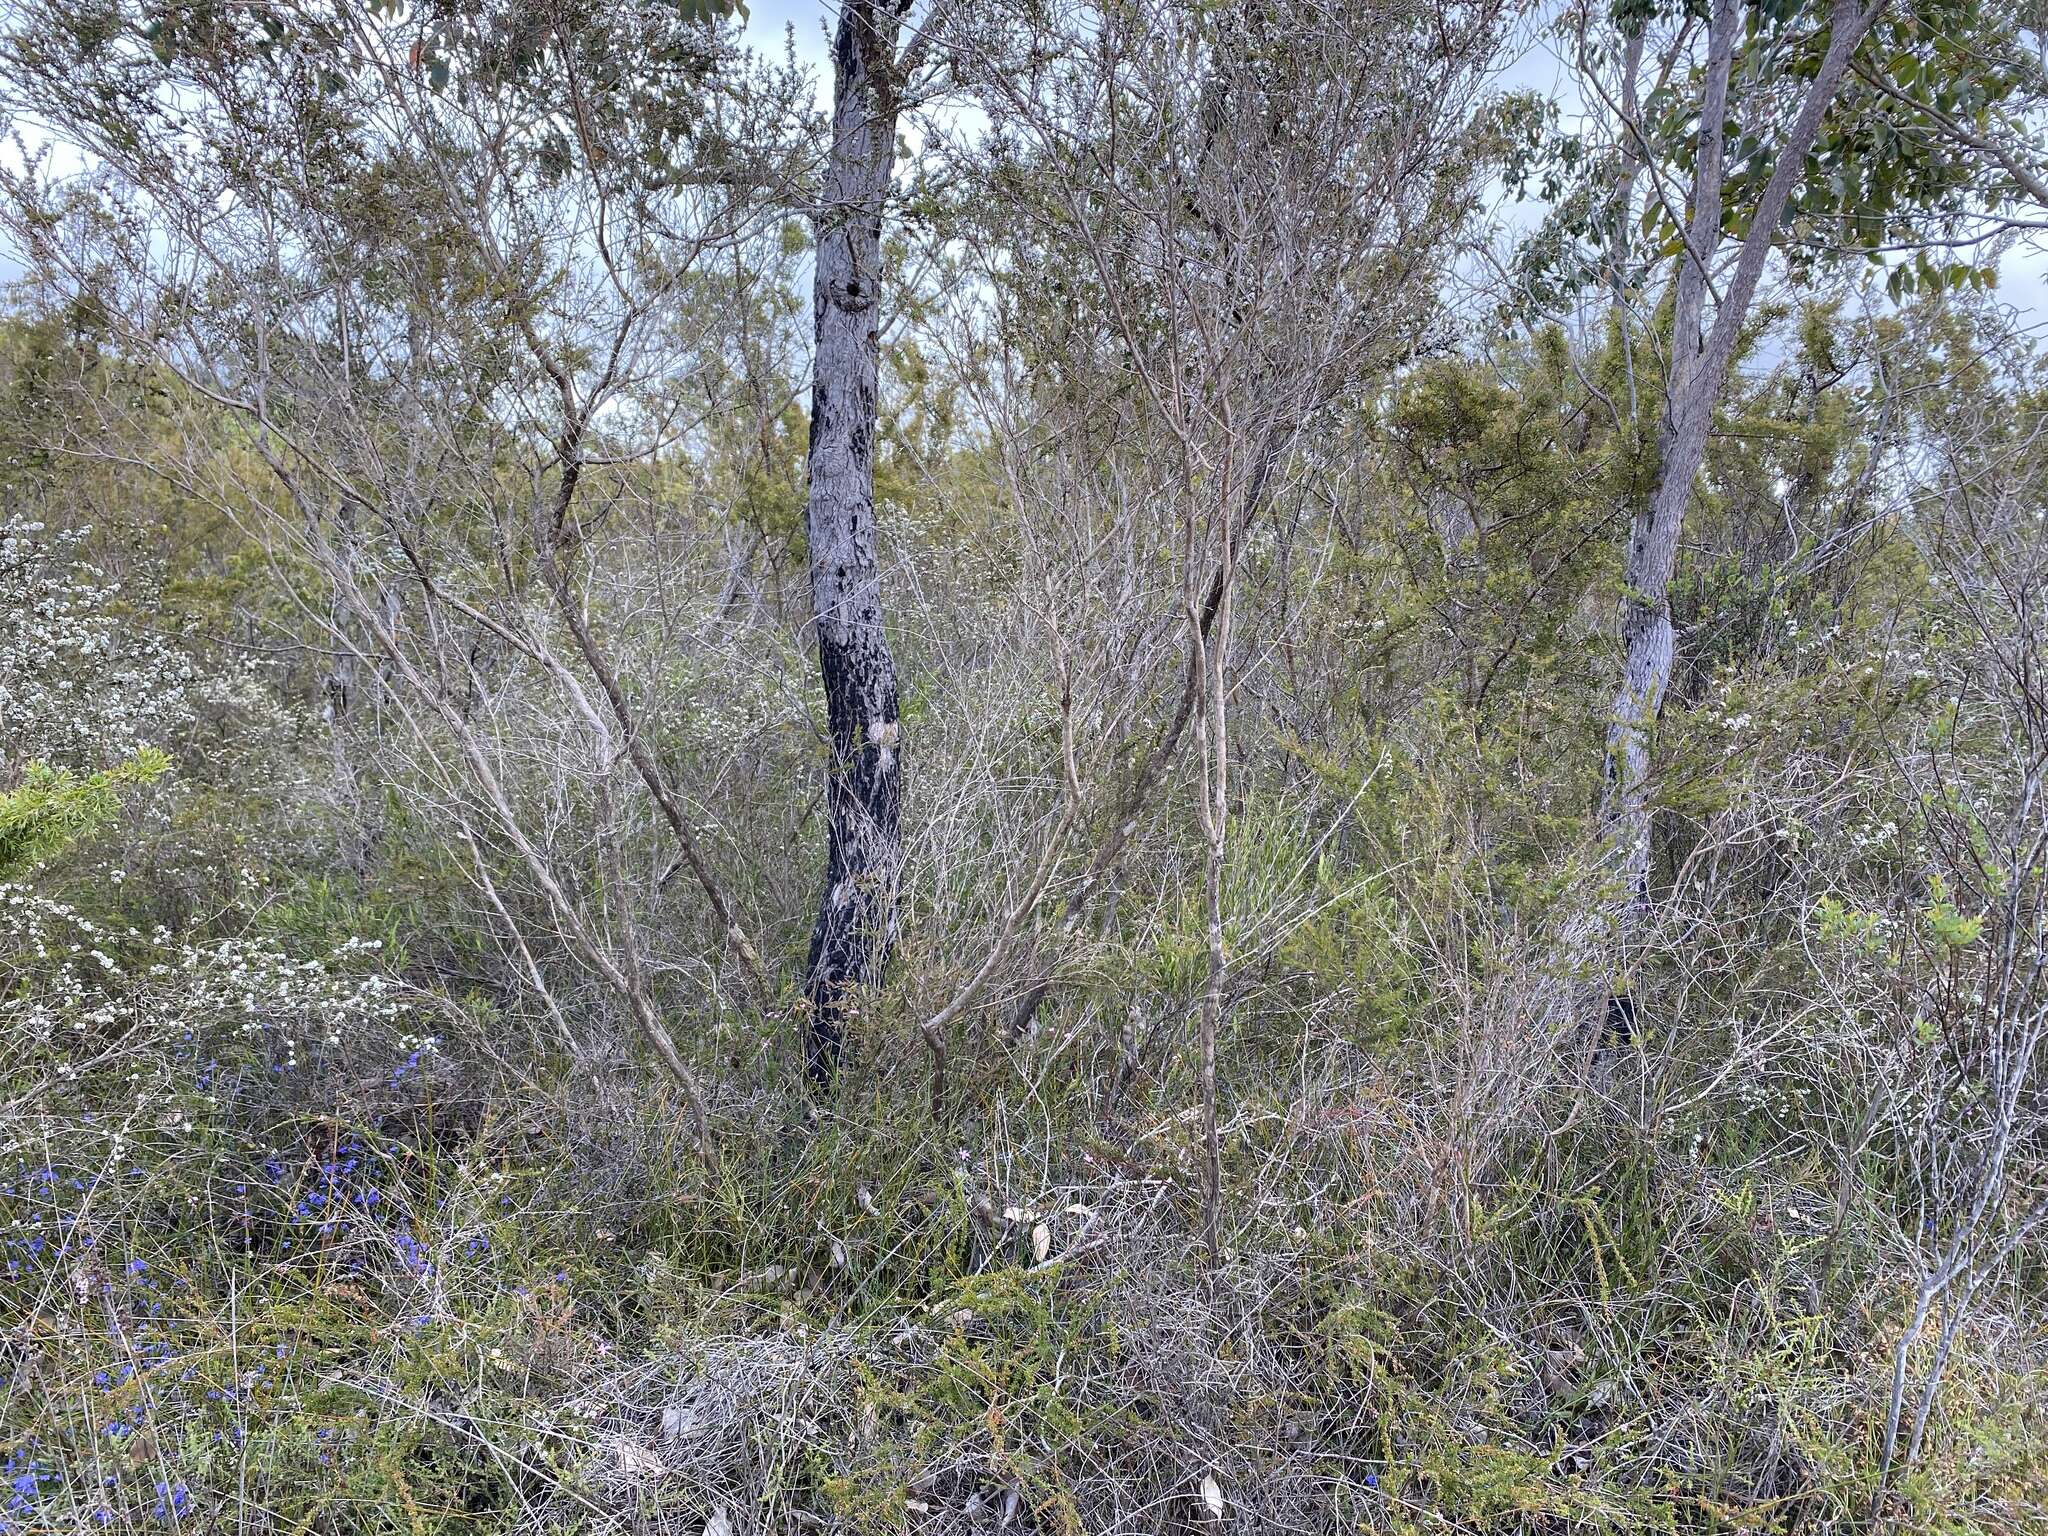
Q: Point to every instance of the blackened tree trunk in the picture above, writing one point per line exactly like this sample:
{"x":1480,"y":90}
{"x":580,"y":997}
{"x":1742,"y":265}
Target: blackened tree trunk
{"x":856,"y":923}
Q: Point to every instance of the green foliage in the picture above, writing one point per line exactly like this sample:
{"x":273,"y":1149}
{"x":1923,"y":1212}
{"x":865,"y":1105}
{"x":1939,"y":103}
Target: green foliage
{"x":1840,"y":924}
{"x":54,"y":808}
{"x":1951,"y":929}
{"x":1903,"y":172}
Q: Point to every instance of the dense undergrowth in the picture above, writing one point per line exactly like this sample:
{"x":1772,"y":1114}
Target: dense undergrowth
{"x":297,"y":1271}
{"x":316,"y":1219}
{"x":340,"y":1191}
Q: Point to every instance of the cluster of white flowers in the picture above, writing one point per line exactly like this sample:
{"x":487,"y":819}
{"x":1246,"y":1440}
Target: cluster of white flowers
{"x":1874,"y":834}
{"x":1806,"y":643}
{"x":66,"y":976}
{"x":1770,"y":1094}
{"x":257,"y":984}
{"x":82,"y":685}
{"x":732,"y":695}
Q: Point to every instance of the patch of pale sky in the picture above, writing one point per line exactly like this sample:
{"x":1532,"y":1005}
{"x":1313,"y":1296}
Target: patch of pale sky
{"x":1534,"y":64}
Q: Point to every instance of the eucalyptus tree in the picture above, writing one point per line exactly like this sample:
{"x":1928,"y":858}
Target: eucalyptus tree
{"x":1697,"y":369}
{"x":1736,"y":142}
{"x":878,"y":58}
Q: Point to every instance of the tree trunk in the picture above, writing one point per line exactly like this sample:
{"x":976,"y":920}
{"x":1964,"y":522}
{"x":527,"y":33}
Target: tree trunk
{"x":856,"y":922}
{"x":1211,"y":657}
{"x":1694,"y":383}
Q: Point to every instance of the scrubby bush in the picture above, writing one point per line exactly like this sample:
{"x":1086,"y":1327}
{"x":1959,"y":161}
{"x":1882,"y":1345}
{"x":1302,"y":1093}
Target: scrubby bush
{"x":411,"y":761}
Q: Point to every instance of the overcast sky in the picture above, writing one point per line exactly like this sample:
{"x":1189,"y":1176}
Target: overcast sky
{"x":1533,"y":65}
{"x":2023,"y":273}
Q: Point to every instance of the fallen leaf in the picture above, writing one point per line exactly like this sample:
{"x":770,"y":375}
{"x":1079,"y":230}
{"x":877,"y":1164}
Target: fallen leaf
{"x":636,"y":1461}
